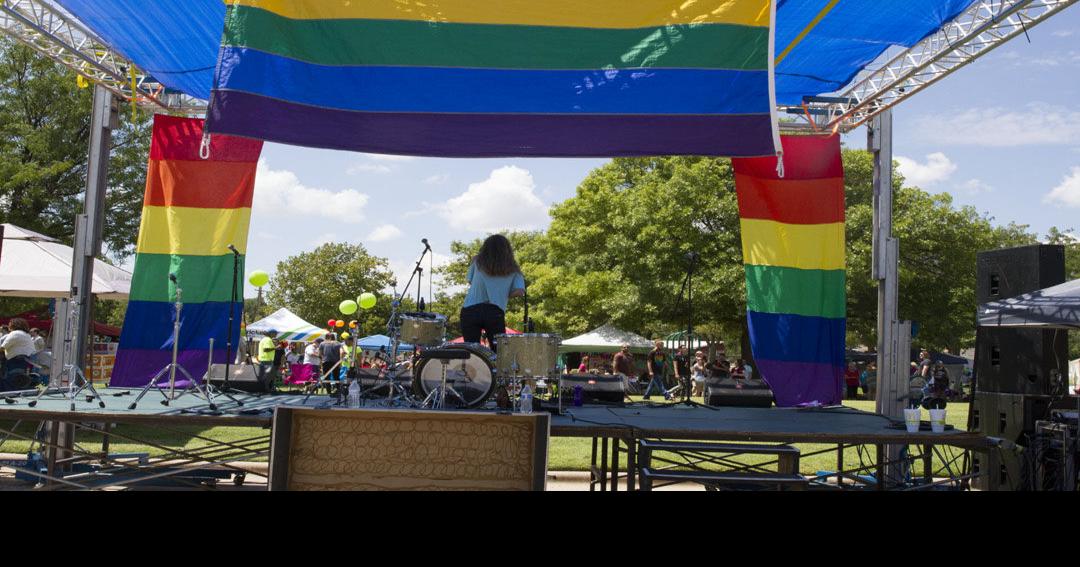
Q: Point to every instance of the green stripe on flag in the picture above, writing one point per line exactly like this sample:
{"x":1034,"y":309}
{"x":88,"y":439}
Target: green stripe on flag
{"x":201,"y":278}
{"x":780,"y":290}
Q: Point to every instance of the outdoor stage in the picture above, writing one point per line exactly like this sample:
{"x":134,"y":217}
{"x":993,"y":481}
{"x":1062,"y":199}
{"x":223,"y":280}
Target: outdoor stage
{"x":616,"y":433}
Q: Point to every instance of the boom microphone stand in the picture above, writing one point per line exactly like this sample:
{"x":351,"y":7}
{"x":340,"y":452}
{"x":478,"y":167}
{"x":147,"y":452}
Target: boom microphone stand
{"x":393,"y":330}
{"x":686,"y":382}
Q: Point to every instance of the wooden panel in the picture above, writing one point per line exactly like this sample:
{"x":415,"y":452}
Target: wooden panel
{"x":407,"y":450}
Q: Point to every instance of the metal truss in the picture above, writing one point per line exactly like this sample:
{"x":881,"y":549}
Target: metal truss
{"x":984,"y":26}
{"x":53,"y":32}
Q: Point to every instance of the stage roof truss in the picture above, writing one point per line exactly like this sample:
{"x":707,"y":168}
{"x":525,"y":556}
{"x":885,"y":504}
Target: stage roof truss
{"x":51,"y":31}
{"x":984,"y":26}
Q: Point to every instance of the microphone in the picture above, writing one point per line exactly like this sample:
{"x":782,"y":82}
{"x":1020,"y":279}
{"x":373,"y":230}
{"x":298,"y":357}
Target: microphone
{"x":421,"y":305}
{"x":172,"y":278}
{"x":426,"y":245}
{"x":234,"y":250}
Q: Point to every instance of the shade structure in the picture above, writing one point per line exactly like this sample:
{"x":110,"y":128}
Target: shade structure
{"x":377,"y":342}
{"x":1056,"y":307}
{"x":606,"y":338}
{"x":288,"y":326}
{"x":42,"y":319}
{"x":35,"y":265}
{"x":820,"y":45}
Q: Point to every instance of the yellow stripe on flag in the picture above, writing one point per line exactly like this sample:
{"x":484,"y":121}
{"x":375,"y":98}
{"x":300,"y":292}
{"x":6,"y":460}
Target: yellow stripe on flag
{"x":193,"y":231}
{"x":558,"y":13}
{"x":802,"y":246}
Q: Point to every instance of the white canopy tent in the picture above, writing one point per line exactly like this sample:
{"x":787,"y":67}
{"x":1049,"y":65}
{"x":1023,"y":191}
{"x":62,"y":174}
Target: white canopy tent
{"x":35,"y":265}
{"x":288,"y":325}
{"x":606,"y":339}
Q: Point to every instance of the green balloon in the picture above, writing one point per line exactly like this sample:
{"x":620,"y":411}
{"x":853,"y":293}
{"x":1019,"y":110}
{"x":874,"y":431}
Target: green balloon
{"x":366,"y":300}
{"x":259,"y":278}
{"x":348,"y":307}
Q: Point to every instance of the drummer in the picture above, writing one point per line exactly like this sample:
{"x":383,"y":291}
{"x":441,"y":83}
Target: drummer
{"x":494,"y":277}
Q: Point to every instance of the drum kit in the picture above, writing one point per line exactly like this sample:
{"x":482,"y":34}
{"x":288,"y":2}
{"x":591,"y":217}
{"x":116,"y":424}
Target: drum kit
{"x":456,"y":375}
{"x":465,"y":375}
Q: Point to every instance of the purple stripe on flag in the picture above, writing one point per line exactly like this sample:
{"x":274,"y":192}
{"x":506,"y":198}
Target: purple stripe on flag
{"x":490,"y":135}
{"x":135,"y":367}
{"x":795,"y":383}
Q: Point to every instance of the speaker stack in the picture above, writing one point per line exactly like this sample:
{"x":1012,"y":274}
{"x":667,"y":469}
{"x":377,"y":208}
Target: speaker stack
{"x":1017,"y":371}
{"x":595,"y":388}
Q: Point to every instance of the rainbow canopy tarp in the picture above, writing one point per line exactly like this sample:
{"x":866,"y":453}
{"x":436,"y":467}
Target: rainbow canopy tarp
{"x":820,"y":45}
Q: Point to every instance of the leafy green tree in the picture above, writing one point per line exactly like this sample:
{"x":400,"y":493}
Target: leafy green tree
{"x":313,"y":284}
{"x":44,"y":140}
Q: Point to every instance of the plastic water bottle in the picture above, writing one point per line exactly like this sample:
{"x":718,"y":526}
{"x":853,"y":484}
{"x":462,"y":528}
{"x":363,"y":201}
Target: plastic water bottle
{"x":526,"y":399}
{"x":354,"y":394}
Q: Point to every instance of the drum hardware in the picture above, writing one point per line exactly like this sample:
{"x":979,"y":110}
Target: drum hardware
{"x":471,"y":378}
{"x":170,"y":369}
{"x":437,"y":398}
{"x":396,"y":394}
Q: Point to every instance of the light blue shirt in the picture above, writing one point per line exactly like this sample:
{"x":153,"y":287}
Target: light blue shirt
{"x":491,"y":289}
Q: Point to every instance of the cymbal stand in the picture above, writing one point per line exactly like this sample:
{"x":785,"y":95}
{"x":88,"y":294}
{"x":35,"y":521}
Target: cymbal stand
{"x":77,"y":381}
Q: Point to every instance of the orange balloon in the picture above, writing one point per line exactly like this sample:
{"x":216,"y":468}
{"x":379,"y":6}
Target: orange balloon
{"x":339,"y":323}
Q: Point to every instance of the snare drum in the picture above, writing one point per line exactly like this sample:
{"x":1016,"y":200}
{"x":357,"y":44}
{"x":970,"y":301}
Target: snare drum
{"x":529,"y":354}
{"x":469,"y":382}
{"x":423,"y":329}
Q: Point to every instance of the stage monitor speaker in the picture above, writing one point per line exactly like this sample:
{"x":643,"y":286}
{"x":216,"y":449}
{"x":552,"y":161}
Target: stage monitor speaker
{"x":596,"y":388}
{"x":1019,"y":361}
{"x":738,"y":393}
{"x":243,"y":377}
{"x":1011,"y":417}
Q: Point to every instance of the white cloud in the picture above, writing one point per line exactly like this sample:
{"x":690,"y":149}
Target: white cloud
{"x":1063,"y":33}
{"x":368,"y":168}
{"x":403,"y":268}
{"x":279,"y":193}
{"x":325,"y":238}
{"x":1068,"y":192}
{"x":437,"y":179}
{"x":1035,"y":124}
{"x":387,"y":157}
{"x":505,"y":200}
{"x":975,"y":187}
{"x":384,"y":232}
{"x":938,"y":167}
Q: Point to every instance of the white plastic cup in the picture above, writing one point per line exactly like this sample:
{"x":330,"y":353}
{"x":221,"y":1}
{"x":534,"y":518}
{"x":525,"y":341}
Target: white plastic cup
{"x":937,"y":420}
{"x":912,"y":417}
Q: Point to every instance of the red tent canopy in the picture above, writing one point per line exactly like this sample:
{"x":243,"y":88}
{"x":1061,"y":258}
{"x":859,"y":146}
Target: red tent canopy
{"x":509,"y":331}
{"x":40,"y":319}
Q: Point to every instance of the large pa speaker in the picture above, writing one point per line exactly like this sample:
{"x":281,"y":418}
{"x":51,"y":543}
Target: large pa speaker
{"x":739,"y":393}
{"x":243,"y":377}
{"x":1019,"y":361}
{"x":595,"y":388}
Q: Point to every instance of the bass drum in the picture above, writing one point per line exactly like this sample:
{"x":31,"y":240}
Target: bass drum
{"x":473,"y":379}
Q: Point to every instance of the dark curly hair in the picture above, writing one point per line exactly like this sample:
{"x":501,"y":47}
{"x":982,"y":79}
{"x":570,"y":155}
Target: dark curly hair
{"x":496,"y":257}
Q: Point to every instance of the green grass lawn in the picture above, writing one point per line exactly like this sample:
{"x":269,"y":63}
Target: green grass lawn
{"x":571,"y":454}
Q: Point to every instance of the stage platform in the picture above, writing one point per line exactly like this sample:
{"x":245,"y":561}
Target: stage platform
{"x":802,"y":425}
{"x":614,"y":430}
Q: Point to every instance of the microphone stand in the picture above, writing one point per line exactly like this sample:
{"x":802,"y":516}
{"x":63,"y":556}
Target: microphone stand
{"x":393,"y":330}
{"x":686,"y":382}
{"x":226,"y":387}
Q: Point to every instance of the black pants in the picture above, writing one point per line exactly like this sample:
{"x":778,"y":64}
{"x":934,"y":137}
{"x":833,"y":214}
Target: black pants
{"x":482,"y":317}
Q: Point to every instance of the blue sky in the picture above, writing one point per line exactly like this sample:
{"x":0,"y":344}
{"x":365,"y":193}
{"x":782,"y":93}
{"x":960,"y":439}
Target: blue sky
{"x":1002,"y":134}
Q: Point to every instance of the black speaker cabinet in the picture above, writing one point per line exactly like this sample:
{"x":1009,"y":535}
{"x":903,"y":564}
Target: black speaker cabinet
{"x":1011,"y":417}
{"x":738,"y":393}
{"x":243,"y":377}
{"x":602,"y":388}
{"x":1019,"y":361}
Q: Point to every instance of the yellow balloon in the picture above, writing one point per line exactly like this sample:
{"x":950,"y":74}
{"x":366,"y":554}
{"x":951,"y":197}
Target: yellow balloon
{"x":366,"y":300}
{"x":347,"y":307}
{"x":345,"y":335}
{"x":259,"y":278}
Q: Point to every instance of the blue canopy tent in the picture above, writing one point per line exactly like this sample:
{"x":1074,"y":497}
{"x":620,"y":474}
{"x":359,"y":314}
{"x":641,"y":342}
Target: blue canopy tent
{"x":376,"y":342}
{"x":820,"y":44}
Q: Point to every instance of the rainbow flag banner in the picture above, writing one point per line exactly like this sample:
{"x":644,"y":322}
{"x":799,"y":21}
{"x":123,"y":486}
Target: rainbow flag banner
{"x":193,"y":210}
{"x":491,"y":78}
{"x":793,"y":251}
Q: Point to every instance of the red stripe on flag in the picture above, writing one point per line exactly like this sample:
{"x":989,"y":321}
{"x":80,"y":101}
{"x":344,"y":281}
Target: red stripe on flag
{"x":796,"y":201}
{"x":178,"y":138}
{"x":207,"y":185}
{"x":805,"y":157}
